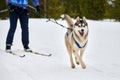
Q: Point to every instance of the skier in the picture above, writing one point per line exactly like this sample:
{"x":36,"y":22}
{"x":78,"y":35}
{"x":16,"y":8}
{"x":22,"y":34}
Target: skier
{"x":18,"y":9}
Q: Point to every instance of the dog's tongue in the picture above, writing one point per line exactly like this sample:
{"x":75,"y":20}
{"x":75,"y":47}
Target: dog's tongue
{"x":81,"y":33}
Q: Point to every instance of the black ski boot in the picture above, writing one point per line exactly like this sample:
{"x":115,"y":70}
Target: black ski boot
{"x":27,"y":49}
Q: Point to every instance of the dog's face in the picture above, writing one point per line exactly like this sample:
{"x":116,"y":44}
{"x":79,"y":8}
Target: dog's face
{"x":81,"y":27}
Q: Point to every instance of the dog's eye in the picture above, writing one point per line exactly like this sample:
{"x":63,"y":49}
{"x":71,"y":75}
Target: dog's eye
{"x":79,"y":25}
{"x":85,"y":25}
{"x":76,"y":24}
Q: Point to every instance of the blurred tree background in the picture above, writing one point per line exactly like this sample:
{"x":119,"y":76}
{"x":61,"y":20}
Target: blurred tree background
{"x":95,"y":10}
{"x":2,"y":7}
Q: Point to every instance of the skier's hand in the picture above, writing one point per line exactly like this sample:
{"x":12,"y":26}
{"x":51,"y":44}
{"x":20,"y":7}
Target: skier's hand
{"x":11,"y":7}
{"x":37,"y":10}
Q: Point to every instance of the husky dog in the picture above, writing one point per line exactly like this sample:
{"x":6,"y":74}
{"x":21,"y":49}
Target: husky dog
{"x":76,"y":39}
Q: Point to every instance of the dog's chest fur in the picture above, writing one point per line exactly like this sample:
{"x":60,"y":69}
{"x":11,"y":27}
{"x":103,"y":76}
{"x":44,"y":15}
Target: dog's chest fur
{"x":74,"y":40}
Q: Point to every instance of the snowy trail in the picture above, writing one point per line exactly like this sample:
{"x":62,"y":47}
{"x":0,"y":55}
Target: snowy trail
{"x":11,"y":69}
{"x":101,"y":56}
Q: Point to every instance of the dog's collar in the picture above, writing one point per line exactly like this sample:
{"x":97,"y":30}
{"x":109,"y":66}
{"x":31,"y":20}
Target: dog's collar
{"x":78,"y":45}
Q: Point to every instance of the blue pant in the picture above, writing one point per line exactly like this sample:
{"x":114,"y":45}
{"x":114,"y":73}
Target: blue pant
{"x":22,"y":15}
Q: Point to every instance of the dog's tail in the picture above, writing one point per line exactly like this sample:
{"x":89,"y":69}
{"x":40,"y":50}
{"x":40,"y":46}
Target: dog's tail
{"x":68,"y":19}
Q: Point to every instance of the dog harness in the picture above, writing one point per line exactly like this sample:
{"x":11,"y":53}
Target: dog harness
{"x":78,"y":45}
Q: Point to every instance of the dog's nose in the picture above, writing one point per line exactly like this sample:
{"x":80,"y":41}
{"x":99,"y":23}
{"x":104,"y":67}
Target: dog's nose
{"x":82,"y":30}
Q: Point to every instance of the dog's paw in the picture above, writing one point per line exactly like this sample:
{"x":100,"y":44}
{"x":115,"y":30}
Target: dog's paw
{"x":73,"y":66}
{"x":77,"y":62}
{"x":83,"y":66}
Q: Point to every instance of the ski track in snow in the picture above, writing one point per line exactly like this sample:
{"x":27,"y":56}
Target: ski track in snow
{"x":101,"y":56}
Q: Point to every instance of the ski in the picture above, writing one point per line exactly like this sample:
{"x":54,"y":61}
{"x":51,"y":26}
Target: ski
{"x":34,"y":52}
{"x":11,"y":52}
{"x":38,"y":53}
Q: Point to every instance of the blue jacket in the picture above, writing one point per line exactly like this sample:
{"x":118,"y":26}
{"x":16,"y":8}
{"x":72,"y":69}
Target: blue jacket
{"x":22,"y":3}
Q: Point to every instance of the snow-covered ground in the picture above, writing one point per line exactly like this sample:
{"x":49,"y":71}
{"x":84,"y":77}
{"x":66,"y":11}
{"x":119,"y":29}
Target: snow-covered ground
{"x":102,"y":55}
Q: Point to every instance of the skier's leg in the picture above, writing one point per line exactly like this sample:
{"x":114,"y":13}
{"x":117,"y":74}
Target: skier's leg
{"x":25,"y":30}
{"x":13,"y":23}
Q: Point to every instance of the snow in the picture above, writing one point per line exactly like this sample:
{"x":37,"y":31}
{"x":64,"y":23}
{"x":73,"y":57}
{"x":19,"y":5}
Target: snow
{"x":102,"y":55}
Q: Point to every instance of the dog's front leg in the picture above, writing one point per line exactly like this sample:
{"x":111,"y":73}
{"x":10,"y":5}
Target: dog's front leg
{"x":81,"y":61}
{"x":70,"y":51}
{"x":71,"y":60}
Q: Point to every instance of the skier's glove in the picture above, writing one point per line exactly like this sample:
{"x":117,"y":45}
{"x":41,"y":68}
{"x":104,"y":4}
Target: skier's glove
{"x":11,"y":7}
{"x":37,"y":10}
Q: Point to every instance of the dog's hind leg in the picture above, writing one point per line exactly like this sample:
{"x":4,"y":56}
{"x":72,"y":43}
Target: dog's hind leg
{"x":77,"y":61}
{"x":77,"y":57}
{"x":81,"y":61}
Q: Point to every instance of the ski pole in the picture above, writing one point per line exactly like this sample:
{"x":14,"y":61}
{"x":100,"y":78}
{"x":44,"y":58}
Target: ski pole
{"x":35,"y":11}
{"x":5,"y":10}
{"x":31,"y":7}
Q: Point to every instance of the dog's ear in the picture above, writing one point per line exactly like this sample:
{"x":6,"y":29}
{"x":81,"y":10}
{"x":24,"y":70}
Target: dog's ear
{"x":84,"y":19}
{"x":77,"y":19}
